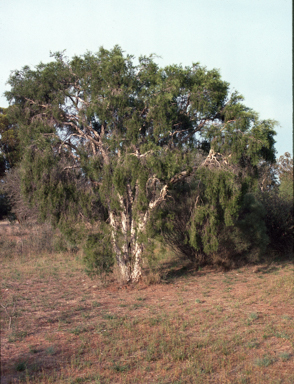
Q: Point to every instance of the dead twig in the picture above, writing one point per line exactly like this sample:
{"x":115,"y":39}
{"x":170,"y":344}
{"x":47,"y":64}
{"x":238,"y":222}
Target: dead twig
{"x":8,"y":314}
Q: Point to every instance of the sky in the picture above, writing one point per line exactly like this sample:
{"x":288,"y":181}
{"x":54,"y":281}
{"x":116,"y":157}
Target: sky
{"x":249,"y":41}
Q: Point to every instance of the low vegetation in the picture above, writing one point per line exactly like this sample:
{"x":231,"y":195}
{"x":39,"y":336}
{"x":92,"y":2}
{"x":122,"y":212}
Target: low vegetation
{"x":196,"y":326}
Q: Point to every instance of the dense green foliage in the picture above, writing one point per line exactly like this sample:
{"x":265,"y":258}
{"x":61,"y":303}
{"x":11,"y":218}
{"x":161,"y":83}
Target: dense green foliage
{"x":285,"y":174}
{"x":9,"y":142}
{"x":9,"y":156}
{"x":221,"y":228}
{"x":279,"y":221}
{"x":107,"y":140}
{"x":5,"y":207}
{"x":98,"y":251}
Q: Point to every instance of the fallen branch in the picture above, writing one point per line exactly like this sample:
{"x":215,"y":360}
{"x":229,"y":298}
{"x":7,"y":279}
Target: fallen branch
{"x":9,"y":315}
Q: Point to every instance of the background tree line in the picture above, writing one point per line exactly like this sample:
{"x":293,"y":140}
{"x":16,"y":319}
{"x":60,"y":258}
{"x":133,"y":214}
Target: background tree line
{"x":117,"y":155}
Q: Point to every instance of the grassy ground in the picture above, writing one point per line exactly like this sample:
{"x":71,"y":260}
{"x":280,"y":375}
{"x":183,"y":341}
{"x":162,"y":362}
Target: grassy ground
{"x":207,"y":326}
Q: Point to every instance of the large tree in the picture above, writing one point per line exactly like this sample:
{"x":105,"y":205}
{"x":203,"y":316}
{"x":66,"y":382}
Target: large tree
{"x":285,"y":173}
{"x":128,"y":134}
{"x":9,"y":156}
{"x":9,"y":143}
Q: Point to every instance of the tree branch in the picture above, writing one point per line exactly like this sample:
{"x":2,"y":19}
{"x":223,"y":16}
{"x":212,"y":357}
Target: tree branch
{"x":71,"y":167}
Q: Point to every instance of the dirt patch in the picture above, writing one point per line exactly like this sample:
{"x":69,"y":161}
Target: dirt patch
{"x":207,"y":326}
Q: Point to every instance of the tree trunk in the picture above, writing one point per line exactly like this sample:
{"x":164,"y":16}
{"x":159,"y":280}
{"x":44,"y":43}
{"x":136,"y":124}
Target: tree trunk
{"x":136,"y":271}
{"x":129,"y":259}
{"x":126,"y":231}
{"x":126,"y":247}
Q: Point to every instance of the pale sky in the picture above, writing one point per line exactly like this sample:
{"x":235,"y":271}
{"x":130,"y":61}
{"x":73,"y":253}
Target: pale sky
{"x":249,"y":41}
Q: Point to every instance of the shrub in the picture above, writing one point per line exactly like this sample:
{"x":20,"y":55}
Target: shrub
{"x":245,"y":239}
{"x":278,"y":220}
{"x":98,"y":254}
{"x":5,"y":207}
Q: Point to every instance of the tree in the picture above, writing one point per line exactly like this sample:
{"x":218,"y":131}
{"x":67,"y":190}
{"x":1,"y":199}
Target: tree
{"x":9,"y":143}
{"x":285,"y":174}
{"x":125,"y":136}
{"x":9,"y":155}
{"x":276,"y":195}
{"x":17,"y":208}
{"x":213,"y":218}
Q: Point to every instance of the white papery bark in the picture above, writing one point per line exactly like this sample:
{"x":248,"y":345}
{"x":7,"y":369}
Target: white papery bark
{"x":127,"y":227}
{"x":126,"y":231}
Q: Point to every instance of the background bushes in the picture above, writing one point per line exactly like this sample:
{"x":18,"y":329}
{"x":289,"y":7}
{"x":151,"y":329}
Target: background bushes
{"x":278,"y":221}
{"x":98,"y":253}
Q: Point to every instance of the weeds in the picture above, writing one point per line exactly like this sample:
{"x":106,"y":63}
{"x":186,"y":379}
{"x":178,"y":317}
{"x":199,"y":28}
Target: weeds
{"x":17,"y":336}
{"x":120,"y":368}
{"x":253,"y":316}
{"x":109,"y":316}
{"x":67,"y":328}
{"x":282,"y":335}
{"x":264,"y":361}
{"x":21,"y":366}
{"x":78,"y":330}
{"x":253,"y":344}
{"x":95,"y":304}
{"x":285,"y":356}
{"x":33,"y":349}
{"x":50,"y":350}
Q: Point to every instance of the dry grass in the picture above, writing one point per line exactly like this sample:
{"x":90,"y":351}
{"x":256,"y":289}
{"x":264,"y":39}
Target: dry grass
{"x":59,"y":326}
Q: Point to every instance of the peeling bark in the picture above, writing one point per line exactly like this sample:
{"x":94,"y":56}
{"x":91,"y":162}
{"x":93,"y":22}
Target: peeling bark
{"x":136,"y":272}
{"x":125,"y":233}
{"x":127,"y":227}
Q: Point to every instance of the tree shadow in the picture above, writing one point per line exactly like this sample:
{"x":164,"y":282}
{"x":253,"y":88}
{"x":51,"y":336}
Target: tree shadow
{"x":31,"y":364}
{"x":178,"y":269}
{"x":181,"y":268}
